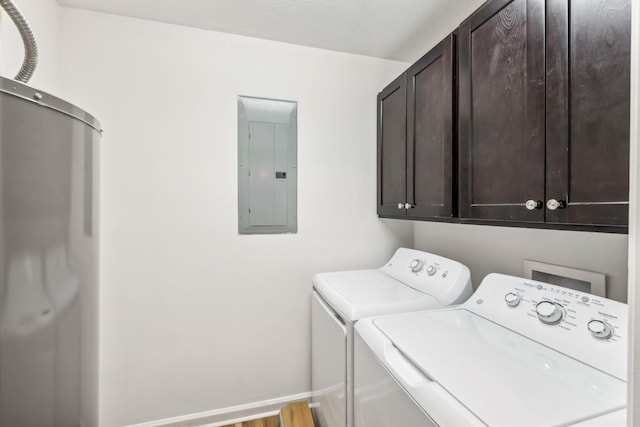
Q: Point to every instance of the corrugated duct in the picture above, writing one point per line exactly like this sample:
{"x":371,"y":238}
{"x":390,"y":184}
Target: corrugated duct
{"x":30,"y":45}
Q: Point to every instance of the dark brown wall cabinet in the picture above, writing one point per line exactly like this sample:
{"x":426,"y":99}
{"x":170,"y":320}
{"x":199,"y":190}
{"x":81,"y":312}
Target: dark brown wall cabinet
{"x":544,"y":114}
{"x":415,"y":139}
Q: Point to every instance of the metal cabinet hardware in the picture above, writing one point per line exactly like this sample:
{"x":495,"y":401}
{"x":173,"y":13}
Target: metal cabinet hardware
{"x":533,"y":204}
{"x":553,"y":204}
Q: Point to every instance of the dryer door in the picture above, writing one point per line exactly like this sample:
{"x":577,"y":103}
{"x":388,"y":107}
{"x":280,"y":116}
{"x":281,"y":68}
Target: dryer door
{"x":328,"y":365}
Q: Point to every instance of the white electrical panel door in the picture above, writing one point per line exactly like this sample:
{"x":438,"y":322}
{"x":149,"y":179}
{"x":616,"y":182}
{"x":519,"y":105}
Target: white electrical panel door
{"x":267,"y":166}
{"x":267,"y":174}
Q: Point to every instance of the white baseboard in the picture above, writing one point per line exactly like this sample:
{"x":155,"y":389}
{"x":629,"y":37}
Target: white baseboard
{"x":230,"y":415}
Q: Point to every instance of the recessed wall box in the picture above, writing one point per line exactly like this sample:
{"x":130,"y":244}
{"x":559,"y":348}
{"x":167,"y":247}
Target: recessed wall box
{"x":580,"y":280}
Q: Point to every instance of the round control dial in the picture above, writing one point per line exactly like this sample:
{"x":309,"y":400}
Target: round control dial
{"x":549,"y":312}
{"x":512,"y":299}
{"x":431,"y":270}
{"x":416,"y":265}
{"x":600,"y":329}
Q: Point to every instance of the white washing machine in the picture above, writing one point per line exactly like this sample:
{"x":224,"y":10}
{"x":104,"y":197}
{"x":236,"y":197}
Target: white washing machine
{"x":411,"y":280}
{"x":517,"y":353}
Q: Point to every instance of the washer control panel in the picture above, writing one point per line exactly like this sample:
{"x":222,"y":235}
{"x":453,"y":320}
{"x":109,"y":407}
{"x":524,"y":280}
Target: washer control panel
{"x":586,"y":327}
{"x":445,"y":279}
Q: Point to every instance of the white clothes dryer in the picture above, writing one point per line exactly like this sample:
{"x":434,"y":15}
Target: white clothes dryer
{"x":517,"y":353}
{"x":411,"y":280}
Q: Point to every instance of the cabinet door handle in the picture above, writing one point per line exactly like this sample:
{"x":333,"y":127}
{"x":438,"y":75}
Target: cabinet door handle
{"x":533,"y":204}
{"x":553,"y":204}
{"x":400,"y":205}
{"x":408,"y":205}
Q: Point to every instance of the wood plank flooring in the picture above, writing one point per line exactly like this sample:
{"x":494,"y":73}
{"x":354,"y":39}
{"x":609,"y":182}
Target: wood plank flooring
{"x":262,"y":422}
{"x":295,"y":414}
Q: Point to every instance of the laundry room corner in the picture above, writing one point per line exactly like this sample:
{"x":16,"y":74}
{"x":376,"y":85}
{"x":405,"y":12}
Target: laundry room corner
{"x":418,"y":128}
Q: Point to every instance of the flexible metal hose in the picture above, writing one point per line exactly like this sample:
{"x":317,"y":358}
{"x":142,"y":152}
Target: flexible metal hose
{"x":30,"y":45}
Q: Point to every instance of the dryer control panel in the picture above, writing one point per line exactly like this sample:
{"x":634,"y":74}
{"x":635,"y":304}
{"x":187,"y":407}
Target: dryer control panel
{"x":586,"y":327}
{"x":445,"y":279}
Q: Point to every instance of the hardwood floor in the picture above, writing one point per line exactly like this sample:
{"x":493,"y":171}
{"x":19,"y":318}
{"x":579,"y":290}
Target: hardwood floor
{"x":295,"y":414}
{"x":262,"y":422}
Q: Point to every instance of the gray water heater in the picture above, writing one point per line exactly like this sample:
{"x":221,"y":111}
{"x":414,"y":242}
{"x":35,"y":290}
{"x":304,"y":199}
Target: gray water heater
{"x":48,"y":260}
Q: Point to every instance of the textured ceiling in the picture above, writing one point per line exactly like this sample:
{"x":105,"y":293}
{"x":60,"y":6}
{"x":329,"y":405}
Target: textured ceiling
{"x":394,"y":29}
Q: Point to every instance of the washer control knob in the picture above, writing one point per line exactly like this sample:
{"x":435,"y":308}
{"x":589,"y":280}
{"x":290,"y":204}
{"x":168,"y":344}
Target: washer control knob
{"x":416,"y":265}
{"x":549,"y":312}
{"x":600,"y":329}
{"x":512,"y":299}
{"x":431,"y":270}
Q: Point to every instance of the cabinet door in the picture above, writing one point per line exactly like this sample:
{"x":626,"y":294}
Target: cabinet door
{"x":588,"y":69}
{"x":502,"y":111}
{"x":430,"y":133}
{"x":392,"y":155}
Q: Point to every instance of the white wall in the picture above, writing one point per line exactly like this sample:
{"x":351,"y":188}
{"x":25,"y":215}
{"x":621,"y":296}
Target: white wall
{"x":195,"y":317}
{"x":486,"y":249}
{"x":42,"y":16}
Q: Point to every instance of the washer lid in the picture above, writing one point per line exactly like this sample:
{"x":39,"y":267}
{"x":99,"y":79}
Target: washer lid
{"x":361,"y":293}
{"x":502,"y":377}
